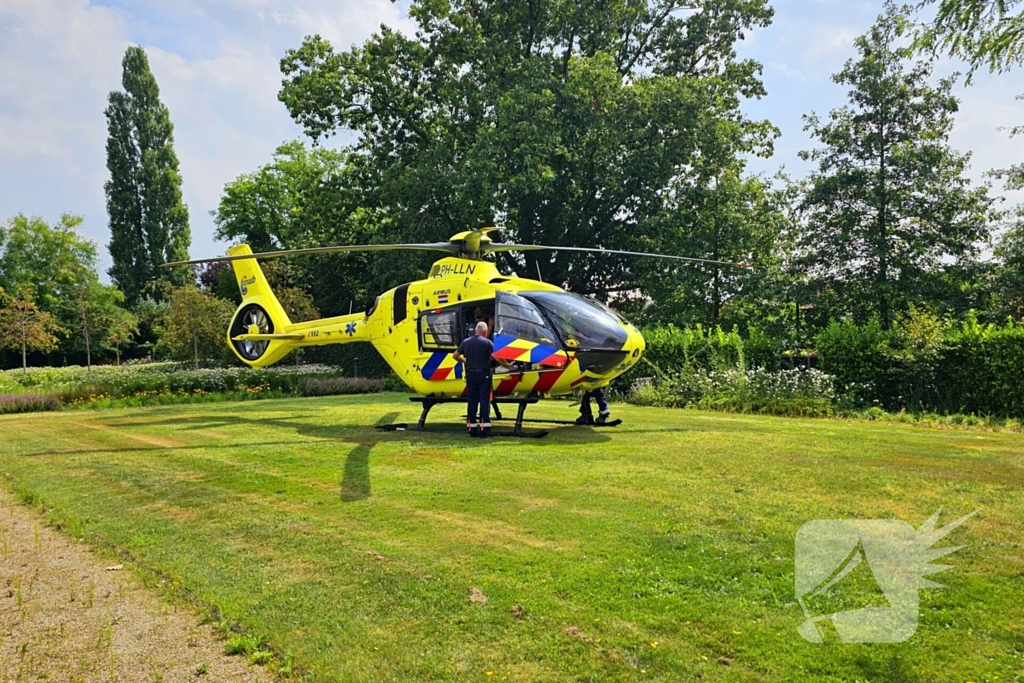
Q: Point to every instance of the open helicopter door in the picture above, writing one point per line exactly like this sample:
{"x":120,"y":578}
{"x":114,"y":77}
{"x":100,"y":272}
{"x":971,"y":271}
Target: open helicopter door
{"x":523,"y":335}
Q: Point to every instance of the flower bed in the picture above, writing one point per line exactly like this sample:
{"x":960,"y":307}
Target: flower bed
{"x":27,"y":403}
{"x":163,"y":383}
{"x":780,"y":392}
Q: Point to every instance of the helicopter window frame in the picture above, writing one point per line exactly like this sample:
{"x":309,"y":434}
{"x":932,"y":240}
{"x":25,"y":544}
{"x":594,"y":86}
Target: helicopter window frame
{"x":429,"y":336}
{"x":572,"y":316}
{"x":528,"y":320}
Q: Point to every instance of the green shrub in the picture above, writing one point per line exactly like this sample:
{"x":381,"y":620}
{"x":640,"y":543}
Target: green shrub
{"x":852,"y":354}
{"x":924,"y":364}
{"x":781,"y":392}
{"x":670,"y":348}
{"x":982,"y":370}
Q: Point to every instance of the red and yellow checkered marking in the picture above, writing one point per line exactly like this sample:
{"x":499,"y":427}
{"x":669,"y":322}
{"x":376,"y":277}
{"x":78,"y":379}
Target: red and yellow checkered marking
{"x":513,"y":349}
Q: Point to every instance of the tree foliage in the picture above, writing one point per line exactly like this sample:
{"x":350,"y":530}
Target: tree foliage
{"x":306,"y":198}
{"x":148,"y":221}
{"x":24,"y":327}
{"x":1008,"y":285}
{"x":93,"y":312}
{"x":49,"y":259}
{"x":889,"y":204}
{"x":572,"y":124}
{"x":738,"y":219}
{"x":987,"y":33}
{"x":194,"y":325}
{"x":121,"y":332}
{"x":56,"y":265}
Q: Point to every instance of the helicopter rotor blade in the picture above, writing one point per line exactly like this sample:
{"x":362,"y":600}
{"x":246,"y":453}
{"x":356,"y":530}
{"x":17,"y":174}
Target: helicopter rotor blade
{"x":434,"y":246}
{"x":498,"y":246}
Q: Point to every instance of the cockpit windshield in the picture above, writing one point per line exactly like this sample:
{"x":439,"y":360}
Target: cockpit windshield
{"x":590,"y":324}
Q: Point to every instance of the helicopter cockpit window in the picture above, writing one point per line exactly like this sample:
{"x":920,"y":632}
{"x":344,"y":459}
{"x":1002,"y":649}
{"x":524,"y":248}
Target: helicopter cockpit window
{"x":519,"y":318}
{"x":439,"y":329}
{"x":590,"y":324}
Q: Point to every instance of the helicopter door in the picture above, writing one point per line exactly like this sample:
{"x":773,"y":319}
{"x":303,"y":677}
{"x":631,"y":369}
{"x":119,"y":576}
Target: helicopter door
{"x":522,"y":335}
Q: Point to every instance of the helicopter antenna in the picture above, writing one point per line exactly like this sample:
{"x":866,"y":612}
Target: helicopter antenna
{"x":537,"y":263}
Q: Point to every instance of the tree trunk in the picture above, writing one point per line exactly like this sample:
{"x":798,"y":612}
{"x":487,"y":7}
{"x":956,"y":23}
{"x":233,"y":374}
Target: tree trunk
{"x":716,"y":296}
{"x":882,"y":279}
{"x":716,"y":282}
{"x":195,"y":349}
{"x":88,"y":348}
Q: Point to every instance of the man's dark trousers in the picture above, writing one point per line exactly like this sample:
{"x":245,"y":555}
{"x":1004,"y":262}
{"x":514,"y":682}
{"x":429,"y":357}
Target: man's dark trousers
{"x":602,"y":404}
{"x":478,"y":385}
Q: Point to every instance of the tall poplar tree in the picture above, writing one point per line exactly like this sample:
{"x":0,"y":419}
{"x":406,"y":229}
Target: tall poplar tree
{"x":148,"y":221}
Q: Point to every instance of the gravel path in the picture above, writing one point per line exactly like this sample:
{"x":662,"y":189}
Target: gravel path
{"x":66,"y":616}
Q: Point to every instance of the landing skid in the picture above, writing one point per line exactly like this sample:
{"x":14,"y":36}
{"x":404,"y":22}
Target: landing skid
{"x":429,"y":402}
{"x":609,"y":423}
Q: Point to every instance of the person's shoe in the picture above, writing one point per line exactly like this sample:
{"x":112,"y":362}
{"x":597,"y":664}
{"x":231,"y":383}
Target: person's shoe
{"x":602,"y":418}
{"x":584,"y":420}
{"x":474,"y":431}
{"x":485,"y":433}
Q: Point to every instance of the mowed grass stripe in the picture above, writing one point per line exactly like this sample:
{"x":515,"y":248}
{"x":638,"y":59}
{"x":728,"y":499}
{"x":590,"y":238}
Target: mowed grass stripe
{"x":664,"y":546}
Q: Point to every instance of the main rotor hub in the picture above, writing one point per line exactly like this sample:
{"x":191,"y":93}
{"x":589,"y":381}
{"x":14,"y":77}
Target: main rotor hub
{"x":472,"y":244}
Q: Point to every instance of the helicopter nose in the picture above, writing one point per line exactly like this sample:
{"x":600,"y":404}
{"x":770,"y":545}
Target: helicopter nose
{"x":608,"y":364}
{"x":634,"y":347}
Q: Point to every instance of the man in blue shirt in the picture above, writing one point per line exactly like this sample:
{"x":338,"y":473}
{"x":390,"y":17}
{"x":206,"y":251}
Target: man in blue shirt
{"x":476,"y":352}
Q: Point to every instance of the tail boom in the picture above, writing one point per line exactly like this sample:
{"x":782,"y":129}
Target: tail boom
{"x":261,"y":333}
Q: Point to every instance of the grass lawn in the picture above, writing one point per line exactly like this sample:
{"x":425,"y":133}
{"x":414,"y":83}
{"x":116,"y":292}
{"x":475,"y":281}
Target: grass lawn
{"x":661,"y":550}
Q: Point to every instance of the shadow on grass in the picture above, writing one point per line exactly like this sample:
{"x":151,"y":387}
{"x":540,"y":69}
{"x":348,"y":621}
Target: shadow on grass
{"x":144,"y":449}
{"x":355,"y":480}
{"x":352,"y":432}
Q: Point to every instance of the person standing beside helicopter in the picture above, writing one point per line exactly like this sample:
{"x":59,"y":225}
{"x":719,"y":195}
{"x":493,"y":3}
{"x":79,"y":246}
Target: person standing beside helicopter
{"x":586,"y":412}
{"x":476,"y":352}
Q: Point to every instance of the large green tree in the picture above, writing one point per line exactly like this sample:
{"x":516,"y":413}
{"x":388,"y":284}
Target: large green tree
{"x":148,"y":221}
{"x":57,"y":265}
{"x":889,"y":204}
{"x":570,"y":123}
{"x":724,"y":216}
{"x":47,"y":258}
{"x":305,"y":198}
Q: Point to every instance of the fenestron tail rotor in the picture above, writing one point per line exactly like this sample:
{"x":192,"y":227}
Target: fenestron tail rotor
{"x":251,"y":320}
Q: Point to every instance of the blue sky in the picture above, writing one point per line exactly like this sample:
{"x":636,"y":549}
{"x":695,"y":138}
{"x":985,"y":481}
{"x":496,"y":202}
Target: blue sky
{"x":217,"y":65}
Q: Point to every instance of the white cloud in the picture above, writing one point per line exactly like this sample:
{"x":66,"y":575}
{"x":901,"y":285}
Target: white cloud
{"x":217,"y":65}
{"x":985,"y":108}
{"x":787,"y":70}
{"x":57,"y":62}
{"x":343,"y":25}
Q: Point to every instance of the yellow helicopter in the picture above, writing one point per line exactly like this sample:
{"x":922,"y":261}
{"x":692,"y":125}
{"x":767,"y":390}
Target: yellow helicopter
{"x":555,"y":342}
